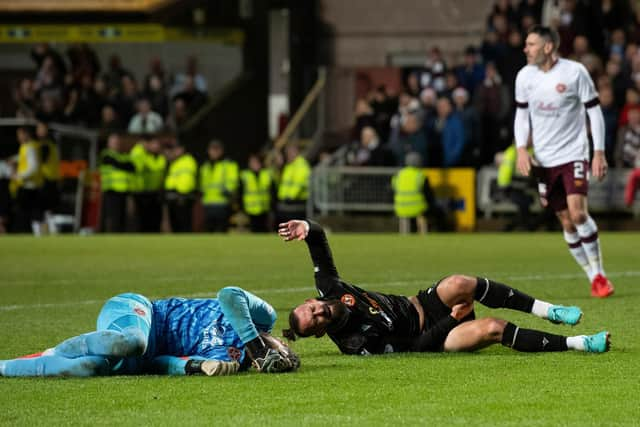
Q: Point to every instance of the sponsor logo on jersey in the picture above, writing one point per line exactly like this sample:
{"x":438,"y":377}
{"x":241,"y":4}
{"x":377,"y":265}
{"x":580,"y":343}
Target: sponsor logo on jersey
{"x":348,"y":300}
{"x":561,"y":87}
{"x":234,"y":353}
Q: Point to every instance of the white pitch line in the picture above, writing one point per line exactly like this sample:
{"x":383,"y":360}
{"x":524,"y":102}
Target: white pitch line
{"x":311,"y":289}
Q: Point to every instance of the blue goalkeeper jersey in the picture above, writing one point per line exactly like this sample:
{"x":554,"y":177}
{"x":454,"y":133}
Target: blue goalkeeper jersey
{"x":193,"y":327}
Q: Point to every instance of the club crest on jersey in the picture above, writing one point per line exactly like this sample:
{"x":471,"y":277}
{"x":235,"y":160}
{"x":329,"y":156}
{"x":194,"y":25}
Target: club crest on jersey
{"x":234,"y":353}
{"x":561,"y":87}
{"x":348,"y":300}
{"x":140,"y":311}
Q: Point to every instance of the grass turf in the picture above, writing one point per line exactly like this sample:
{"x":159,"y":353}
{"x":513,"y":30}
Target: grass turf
{"x":53,"y":288}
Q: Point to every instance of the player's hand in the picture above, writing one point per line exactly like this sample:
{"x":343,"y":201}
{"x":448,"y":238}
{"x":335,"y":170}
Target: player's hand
{"x":524,"y":161}
{"x":293,"y":230}
{"x":599,"y":165}
{"x":460,"y":311}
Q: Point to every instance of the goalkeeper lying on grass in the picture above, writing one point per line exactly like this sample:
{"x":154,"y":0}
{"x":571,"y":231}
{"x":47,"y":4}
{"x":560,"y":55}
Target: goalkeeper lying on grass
{"x":440,"y":318}
{"x":174,"y":336}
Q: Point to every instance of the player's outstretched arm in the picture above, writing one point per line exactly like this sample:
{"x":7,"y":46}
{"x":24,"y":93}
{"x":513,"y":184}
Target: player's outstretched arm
{"x":326,"y":274}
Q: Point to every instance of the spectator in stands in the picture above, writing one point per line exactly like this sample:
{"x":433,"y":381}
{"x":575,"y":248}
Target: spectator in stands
{"x":109,"y":122}
{"x":193,"y":97}
{"x":84,"y":104}
{"x":617,"y":79}
{"x":492,"y":48}
{"x":411,"y":137}
{"x":49,"y":81}
{"x":219,"y":178}
{"x":532,"y":8}
{"x":84,"y":61}
{"x":126,"y":98}
{"x":610,"y":113}
{"x":50,"y":109}
{"x":493,"y":103}
{"x":156,"y":70}
{"x":25,"y":98}
{"x":156,"y":92}
{"x":180,"y":188}
{"x":190,"y":77}
{"x":434,"y":70}
{"x":145,"y":120}
{"x":178,"y":116}
{"x":383,"y":107}
{"x":114,"y":75}
{"x":413,"y":85}
{"x":471,"y":125}
{"x":628,"y":143}
{"x":632,"y":100}
{"x":364,"y":116}
{"x":257,"y":191}
{"x":470,"y":73}
{"x":369,"y":151}
{"x":41,"y":51}
{"x":505,"y":10}
{"x":6,"y":170}
{"x":449,"y":131}
{"x":450,"y":84}
{"x":293,"y":190}
{"x":512,"y":60}
{"x":116,"y":176}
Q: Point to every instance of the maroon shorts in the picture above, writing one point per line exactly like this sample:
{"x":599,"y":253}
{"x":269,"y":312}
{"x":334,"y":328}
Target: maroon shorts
{"x":555,"y":183}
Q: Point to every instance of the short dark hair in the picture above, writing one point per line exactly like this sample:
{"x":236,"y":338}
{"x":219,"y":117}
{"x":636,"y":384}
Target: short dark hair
{"x":294,"y":328}
{"x":547,"y":33}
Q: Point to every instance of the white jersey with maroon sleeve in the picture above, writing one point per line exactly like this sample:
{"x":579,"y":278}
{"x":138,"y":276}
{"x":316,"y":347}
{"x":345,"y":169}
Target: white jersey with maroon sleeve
{"x":555,"y":100}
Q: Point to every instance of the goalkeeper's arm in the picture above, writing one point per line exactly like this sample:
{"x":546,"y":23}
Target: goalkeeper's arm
{"x":195,"y":365}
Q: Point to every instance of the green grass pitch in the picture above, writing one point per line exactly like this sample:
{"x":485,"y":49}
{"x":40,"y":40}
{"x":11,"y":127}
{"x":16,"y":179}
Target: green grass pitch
{"x":53,"y":288}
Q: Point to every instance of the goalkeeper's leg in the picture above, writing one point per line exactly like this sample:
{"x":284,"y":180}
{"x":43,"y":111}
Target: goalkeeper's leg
{"x":123,"y":329}
{"x":50,"y":366}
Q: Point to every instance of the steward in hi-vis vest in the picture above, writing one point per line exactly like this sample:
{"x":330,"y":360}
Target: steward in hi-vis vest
{"x":293,"y":190}
{"x":258,"y":190}
{"x":180,"y":187}
{"x":218,"y":186}
{"x":151,"y":165}
{"x":116,"y":176}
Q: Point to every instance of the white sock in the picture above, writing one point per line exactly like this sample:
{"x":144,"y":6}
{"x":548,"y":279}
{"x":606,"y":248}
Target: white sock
{"x":36,"y":228}
{"x":576,"y":343}
{"x":1,"y":369}
{"x":540,"y":308}
{"x":577,"y":251}
{"x":588,"y":232}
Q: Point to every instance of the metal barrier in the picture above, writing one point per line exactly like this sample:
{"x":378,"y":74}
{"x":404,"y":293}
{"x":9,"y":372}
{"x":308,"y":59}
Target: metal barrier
{"x":604,"y":196}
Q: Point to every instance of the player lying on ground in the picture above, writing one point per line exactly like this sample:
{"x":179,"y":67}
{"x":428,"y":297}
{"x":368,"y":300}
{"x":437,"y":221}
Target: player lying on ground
{"x":137,"y":336}
{"x":440,"y":318}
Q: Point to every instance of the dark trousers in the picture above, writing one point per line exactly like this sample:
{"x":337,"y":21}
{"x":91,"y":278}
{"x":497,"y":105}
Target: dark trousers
{"x":114,"y":212}
{"x":50,"y":196}
{"x":259,"y":223}
{"x":180,"y":212}
{"x":29,"y":209}
{"x":216,"y":218}
{"x":148,"y":211}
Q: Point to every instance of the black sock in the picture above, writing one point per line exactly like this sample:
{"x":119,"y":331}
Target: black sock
{"x":496,"y":295}
{"x":532,"y":341}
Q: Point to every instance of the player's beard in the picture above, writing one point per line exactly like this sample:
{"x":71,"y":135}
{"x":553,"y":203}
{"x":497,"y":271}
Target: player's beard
{"x":339,"y":315}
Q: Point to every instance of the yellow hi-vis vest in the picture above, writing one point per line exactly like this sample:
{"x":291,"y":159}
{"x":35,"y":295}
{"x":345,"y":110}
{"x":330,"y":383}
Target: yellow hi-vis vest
{"x":36,"y":180}
{"x":218,"y":181}
{"x":111,"y":177}
{"x":256,"y":197}
{"x":181,"y":176}
{"x":50,"y":165}
{"x":408,"y":186}
{"x":508,"y":165}
{"x":150,"y":169}
{"x":294,"y":182}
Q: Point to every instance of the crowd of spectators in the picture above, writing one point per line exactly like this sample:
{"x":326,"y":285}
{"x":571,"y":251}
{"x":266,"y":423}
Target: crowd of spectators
{"x":76,"y":89}
{"x":462,"y":114}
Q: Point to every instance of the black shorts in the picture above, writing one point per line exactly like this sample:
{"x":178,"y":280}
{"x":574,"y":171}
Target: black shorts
{"x":434,"y":309}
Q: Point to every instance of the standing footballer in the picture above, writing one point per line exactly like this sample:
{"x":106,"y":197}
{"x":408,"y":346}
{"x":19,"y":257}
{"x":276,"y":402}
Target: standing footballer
{"x":552,"y":95}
